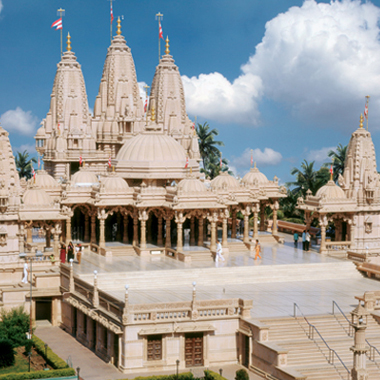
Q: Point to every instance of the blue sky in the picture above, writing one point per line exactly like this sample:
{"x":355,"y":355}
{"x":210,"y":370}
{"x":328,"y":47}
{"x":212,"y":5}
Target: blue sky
{"x":286,"y":78}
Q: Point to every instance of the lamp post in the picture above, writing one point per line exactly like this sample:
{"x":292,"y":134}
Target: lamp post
{"x":220,"y":371}
{"x":177,"y":364}
{"x":78,"y":370}
{"x":29,"y":354}
{"x":46,"y":346}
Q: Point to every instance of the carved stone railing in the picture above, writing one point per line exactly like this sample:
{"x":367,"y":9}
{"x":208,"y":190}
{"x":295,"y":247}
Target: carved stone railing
{"x":335,"y":246}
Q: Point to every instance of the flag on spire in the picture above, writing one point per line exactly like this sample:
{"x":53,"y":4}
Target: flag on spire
{"x":34,"y":174}
{"x":187,"y":162}
{"x":160,"y":33}
{"x":366,"y":111}
{"x":331,"y":170}
{"x":111,"y":13}
{"x":57,"y":24}
{"x":109,"y":162}
{"x":80,"y":160}
{"x":146,"y":104}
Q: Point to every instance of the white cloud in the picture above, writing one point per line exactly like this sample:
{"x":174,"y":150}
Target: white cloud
{"x":321,"y":60}
{"x":19,"y":121}
{"x":320,"y":155}
{"x":1,"y":6}
{"x":268,"y":157}
{"x":30,"y":148}
{"x":213,"y":97}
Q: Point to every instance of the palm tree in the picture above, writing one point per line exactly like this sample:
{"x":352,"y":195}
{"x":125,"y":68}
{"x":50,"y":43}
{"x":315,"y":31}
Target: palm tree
{"x":24,"y":164}
{"x":207,"y":144}
{"x":213,"y":168}
{"x":338,"y":157}
{"x":307,"y":178}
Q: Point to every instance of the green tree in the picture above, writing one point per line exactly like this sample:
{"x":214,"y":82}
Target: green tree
{"x":308,"y":178}
{"x":7,"y":354}
{"x":14,"y":325}
{"x":288,"y":207}
{"x":213,"y":168}
{"x":339,"y":157}
{"x":208,"y":147}
{"x":24,"y":164}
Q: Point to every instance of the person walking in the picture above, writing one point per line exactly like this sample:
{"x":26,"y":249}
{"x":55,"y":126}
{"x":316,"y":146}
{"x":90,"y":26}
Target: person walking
{"x":62,"y":253}
{"x":307,"y":240}
{"x":219,"y":252}
{"x":70,"y":252}
{"x":295,"y":237}
{"x":257,"y":249}
{"x":304,"y":240}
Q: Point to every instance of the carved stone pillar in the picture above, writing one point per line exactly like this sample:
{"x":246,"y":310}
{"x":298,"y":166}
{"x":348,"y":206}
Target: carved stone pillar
{"x":192,"y":231}
{"x":149,"y":229}
{"x":159,"y":231}
{"x":168,"y":241}
{"x":323,"y":224}
{"x":86,"y":228}
{"x":56,"y":233}
{"x":125,"y":231}
{"x":135,"y":229}
{"x":68,"y":230}
{"x":274,"y":208}
{"x":256,"y":208}
{"x":233,"y":230}
{"x":93,"y":229}
{"x":102,"y":239}
{"x":143,"y":217}
{"x":352,"y":232}
{"x":225,"y":231}
{"x":179,"y":219}
{"x":21,"y":238}
{"x":119,"y":230}
{"x":246,"y":212}
{"x":213,"y":219}
{"x":48,"y":237}
{"x":200,"y":231}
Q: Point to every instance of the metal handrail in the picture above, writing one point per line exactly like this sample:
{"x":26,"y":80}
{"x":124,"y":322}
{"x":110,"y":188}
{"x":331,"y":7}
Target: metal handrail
{"x":344,"y":315}
{"x":312,"y":328}
{"x":372,"y":348}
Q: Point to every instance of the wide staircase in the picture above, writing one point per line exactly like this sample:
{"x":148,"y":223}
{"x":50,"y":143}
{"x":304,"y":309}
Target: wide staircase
{"x":311,"y":357}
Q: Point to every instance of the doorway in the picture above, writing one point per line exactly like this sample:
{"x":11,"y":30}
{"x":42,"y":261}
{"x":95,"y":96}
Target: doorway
{"x":194,"y":349}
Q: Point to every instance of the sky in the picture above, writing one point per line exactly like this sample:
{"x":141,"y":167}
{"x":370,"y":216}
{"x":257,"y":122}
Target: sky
{"x":285,"y":79}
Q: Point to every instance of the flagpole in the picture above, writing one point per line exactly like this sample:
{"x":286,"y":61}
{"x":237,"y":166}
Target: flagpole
{"x":111,"y":18}
{"x":60,"y":13}
{"x":159,"y":17}
{"x":367,"y":97}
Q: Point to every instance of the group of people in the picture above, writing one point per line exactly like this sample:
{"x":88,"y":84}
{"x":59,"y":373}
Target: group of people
{"x":306,"y":237}
{"x":71,"y":252}
{"x":219,"y":251}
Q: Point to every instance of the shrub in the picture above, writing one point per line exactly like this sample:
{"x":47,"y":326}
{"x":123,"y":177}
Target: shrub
{"x":28,"y":345}
{"x":51,"y":358}
{"x":14,"y":325}
{"x":39,"y":374}
{"x":7,"y":355}
{"x":181,"y":376}
{"x":210,"y":375}
{"x":241,"y":374}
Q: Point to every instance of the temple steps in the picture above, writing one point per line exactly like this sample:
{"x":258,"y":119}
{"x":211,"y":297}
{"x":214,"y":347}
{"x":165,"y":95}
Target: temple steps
{"x":310,"y":356}
{"x":153,"y":279}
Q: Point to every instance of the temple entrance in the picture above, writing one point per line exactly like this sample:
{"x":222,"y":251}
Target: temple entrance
{"x":43,"y":308}
{"x":194,"y":349}
{"x":245,"y":351}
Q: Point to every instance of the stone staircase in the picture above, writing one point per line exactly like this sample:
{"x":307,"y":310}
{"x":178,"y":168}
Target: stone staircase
{"x":237,"y":246}
{"x":310,"y":356}
{"x":211,"y":276}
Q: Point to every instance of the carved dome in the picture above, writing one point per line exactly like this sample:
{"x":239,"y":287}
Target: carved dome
{"x":191,"y":185}
{"x":36,"y":197}
{"x":114,"y":183}
{"x":40,"y":133}
{"x":224,"y":181}
{"x":331,"y":190}
{"x":45,"y":180}
{"x":253,"y":176}
{"x":152,"y":147}
{"x":84,"y":178}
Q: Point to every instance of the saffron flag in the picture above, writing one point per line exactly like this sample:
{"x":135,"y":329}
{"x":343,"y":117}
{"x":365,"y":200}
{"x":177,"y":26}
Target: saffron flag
{"x":57,"y":24}
{"x":109,"y":162}
{"x":111,"y":14}
{"x":366,"y":111}
{"x":80,"y":160}
{"x":331,"y":170}
{"x":160,"y":33}
{"x":146,"y":105}
{"x":187,"y":162}
{"x":34,"y":173}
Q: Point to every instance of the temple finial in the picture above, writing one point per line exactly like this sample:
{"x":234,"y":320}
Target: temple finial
{"x":255,"y":164}
{"x":118,"y":32}
{"x":153,"y":114}
{"x":361,"y":121}
{"x":167,"y":51}
{"x":68,"y":42}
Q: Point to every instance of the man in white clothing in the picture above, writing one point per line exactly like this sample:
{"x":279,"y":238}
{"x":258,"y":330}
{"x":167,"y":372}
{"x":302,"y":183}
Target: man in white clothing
{"x":219,"y":251}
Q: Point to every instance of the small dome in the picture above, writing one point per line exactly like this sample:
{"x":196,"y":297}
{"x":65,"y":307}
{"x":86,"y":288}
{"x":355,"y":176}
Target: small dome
{"x":40,"y":132}
{"x":84,"y":178}
{"x":45,"y":180}
{"x":190,"y":185}
{"x":331,"y":190}
{"x":152,"y":147}
{"x":254,"y":175}
{"x":36,"y":197}
{"x":114,"y":183}
{"x":224,"y":180}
